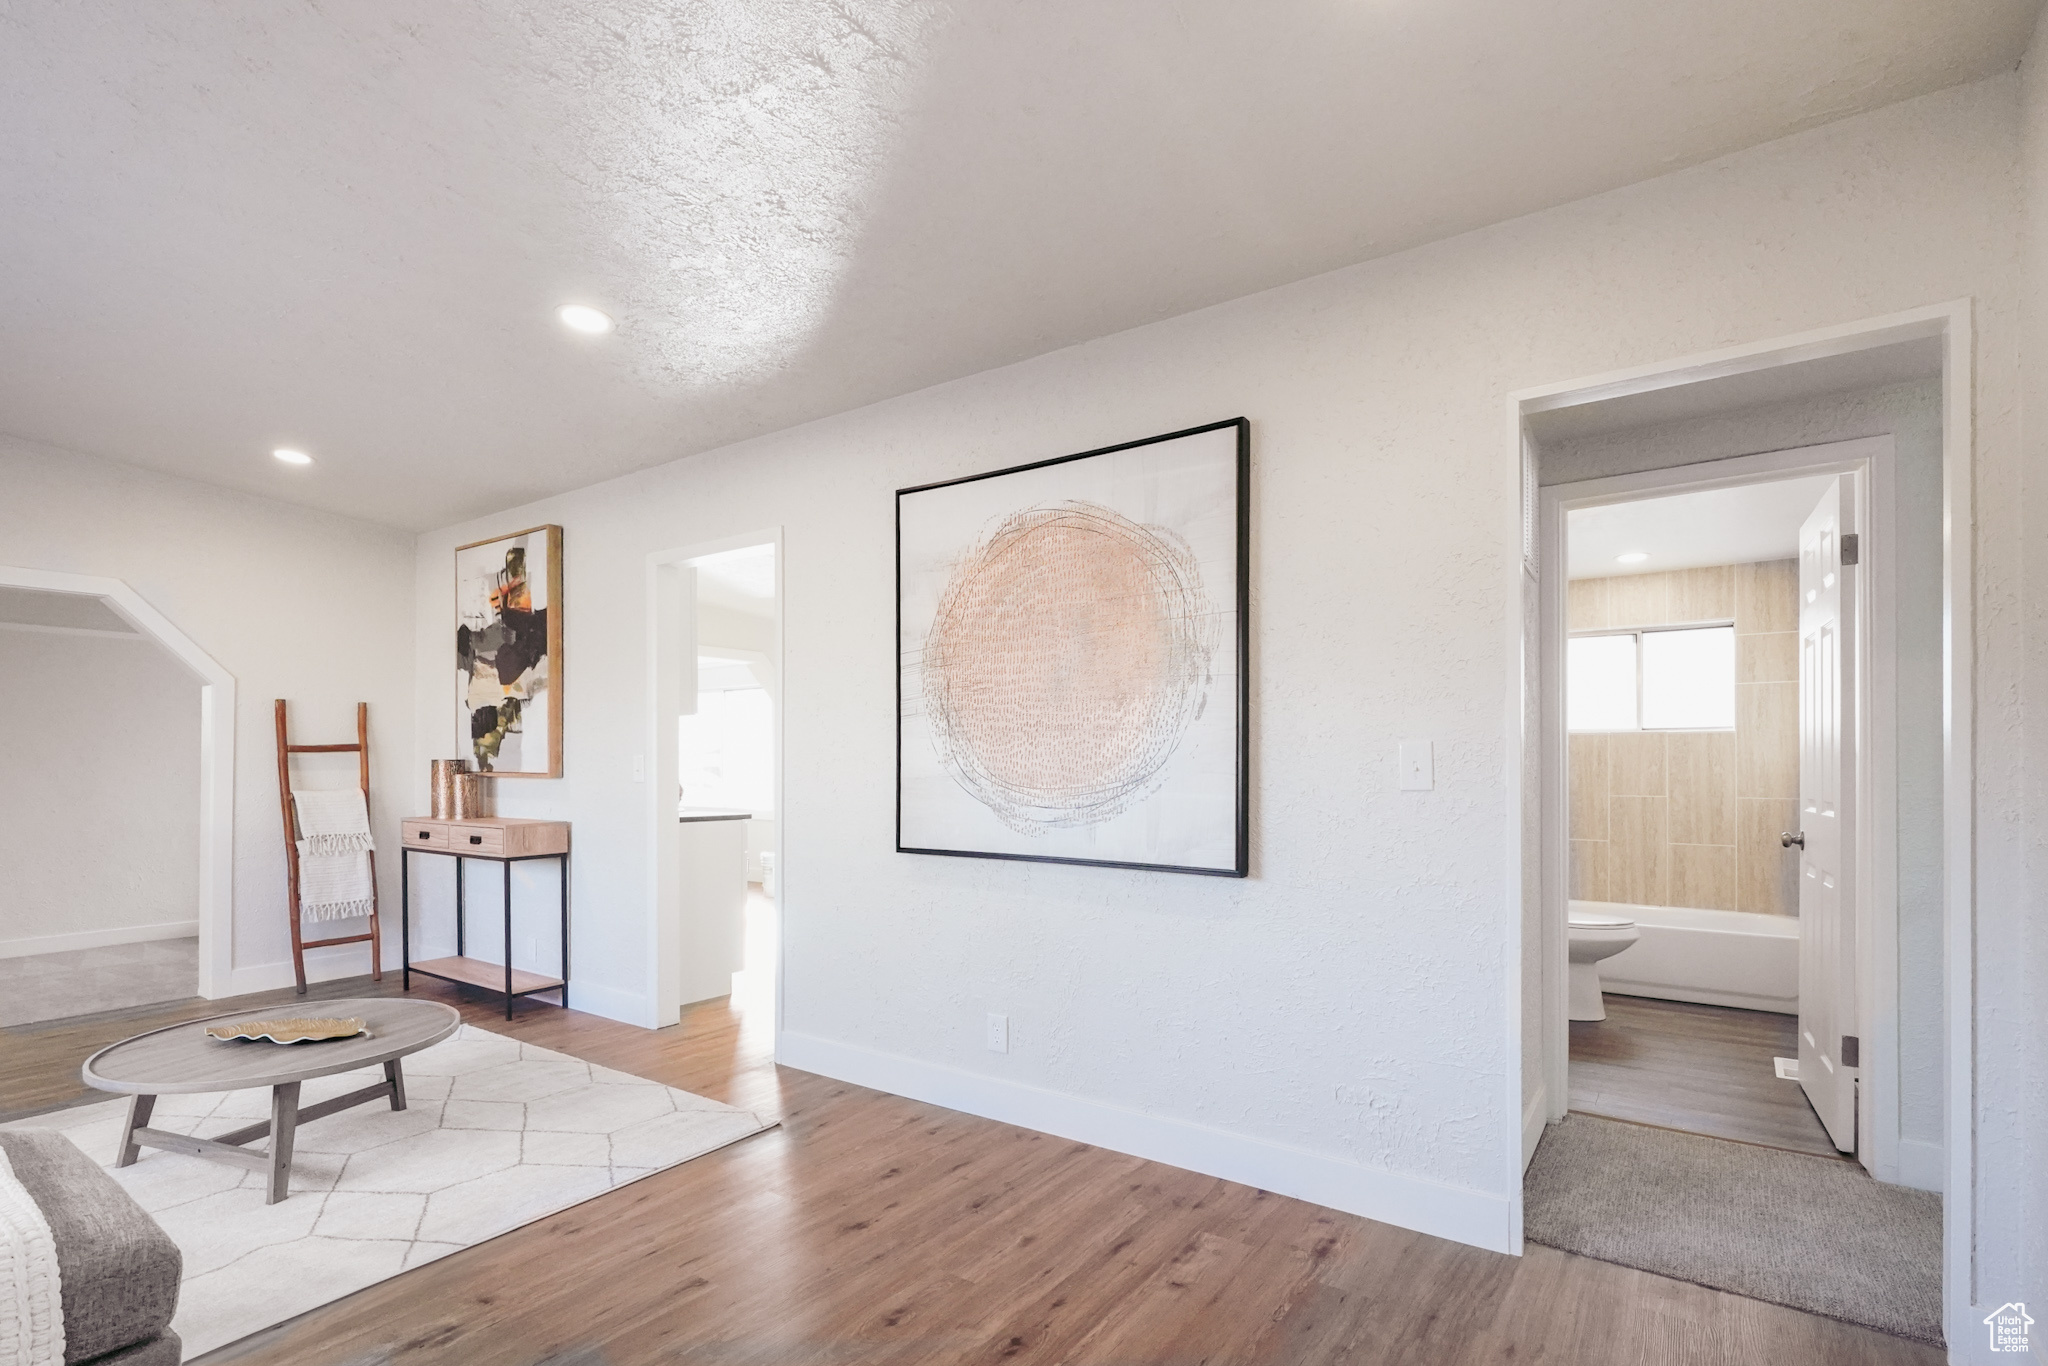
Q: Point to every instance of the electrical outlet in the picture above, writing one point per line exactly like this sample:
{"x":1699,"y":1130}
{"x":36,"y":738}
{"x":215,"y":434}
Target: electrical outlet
{"x":998,"y":1033}
{"x":1418,"y":766}
{"x":639,"y":768}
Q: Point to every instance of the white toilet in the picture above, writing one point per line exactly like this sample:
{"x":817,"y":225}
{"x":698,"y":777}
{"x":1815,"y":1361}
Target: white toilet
{"x":1592,"y":938}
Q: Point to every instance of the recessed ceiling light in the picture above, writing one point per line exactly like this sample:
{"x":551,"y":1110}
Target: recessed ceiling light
{"x":1632,"y":557}
{"x":583,"y":318}
{"x":292,"y":457}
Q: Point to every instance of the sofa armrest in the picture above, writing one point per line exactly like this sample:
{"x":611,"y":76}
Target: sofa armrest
{"x":118,"y":1268}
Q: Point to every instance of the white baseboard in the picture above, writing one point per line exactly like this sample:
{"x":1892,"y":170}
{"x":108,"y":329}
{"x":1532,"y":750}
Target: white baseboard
{"x":1777,"y":1005}
{"x":1922,"y":1165}
{"x":1455,"y":1212}
{"x":594,"y":998}
{"x":98,"y":939}
{"x":1535,"y":1115}
{"x":322,"y":965}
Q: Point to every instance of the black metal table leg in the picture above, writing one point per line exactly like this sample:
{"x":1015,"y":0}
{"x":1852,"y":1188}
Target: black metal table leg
{"x":460,"y":951}
{"x":405,"y":911}
{"x":565,"y":929}
{"x":507,"y":866}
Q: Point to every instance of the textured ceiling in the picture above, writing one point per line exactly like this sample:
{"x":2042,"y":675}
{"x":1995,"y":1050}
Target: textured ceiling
{"x":232,"y":226}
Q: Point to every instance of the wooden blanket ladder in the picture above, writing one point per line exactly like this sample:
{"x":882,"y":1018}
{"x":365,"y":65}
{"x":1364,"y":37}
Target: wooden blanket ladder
{"x":285,"y":750}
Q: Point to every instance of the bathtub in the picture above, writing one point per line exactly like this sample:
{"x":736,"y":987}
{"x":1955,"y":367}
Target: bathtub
{"x":1718,"y":958}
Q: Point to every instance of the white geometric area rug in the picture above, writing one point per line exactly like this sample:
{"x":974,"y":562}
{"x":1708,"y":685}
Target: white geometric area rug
{"x":496,"y":1134}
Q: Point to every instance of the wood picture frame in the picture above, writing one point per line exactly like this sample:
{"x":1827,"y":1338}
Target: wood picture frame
{"x":506,"y":605}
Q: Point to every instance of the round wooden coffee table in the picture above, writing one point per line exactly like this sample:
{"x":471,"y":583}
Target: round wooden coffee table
{"x":181,"y":1058}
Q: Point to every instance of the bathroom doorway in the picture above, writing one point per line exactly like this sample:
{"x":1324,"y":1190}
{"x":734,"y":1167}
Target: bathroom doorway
{"x":1738,"y":597}
{"x":1687,"y":640}
{"x":1751,"y":776}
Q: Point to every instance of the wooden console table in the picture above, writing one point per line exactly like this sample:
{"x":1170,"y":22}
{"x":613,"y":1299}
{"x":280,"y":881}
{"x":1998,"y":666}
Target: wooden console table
{"x":505,"y":841}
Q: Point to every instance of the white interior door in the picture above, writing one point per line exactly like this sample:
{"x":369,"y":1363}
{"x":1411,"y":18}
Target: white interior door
{"x":1827,"y":751}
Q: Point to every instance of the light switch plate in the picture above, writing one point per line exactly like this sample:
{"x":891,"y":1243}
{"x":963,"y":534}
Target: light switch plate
{"x":1418,"y":766}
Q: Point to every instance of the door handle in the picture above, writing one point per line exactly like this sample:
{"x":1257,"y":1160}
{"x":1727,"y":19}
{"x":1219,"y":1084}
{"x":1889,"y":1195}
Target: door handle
{"x":1790,"y":838}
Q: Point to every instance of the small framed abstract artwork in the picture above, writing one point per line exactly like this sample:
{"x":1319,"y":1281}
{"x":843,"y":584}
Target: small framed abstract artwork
{"x":1072,"y":641}
{"x":508,"y":653}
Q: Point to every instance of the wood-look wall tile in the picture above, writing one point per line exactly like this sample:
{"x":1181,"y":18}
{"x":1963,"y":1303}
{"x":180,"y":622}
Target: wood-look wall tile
{"x":1637,"y":856}
{"x":1587,"y":757}
{"x":1767,"y":657}
{"x":1766,"y":597}
{"x":1589,"y":870}
{"x":1706,"y":594}
{"x":1585,"y":605}
{"x":1766,"y":874}
{"x":1767,"y":740}
{"x":1635,"y":764}
{"x":1638,"y":600}
{"x":1700,"y":781}
{"x":1703,"y":875}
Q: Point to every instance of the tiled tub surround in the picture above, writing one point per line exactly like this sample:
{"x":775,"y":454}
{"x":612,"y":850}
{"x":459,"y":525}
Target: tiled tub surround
{"x":1692,"y":818}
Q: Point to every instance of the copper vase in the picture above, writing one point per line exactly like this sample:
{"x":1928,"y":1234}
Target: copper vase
{"x":472,"y":798}
{"x":444,"y":773}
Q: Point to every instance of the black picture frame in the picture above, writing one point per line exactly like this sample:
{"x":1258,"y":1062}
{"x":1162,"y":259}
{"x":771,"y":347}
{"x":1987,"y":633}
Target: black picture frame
{"x":1241,"y":588}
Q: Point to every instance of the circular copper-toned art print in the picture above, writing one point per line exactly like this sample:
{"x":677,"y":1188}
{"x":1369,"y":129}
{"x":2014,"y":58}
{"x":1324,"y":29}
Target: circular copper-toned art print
{"x":1069,"y":654}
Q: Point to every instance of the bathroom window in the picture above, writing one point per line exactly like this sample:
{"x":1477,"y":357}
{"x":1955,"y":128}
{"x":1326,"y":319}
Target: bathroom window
{"x":1677,"y":679}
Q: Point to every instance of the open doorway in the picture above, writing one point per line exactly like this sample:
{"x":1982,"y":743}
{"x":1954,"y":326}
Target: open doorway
{"x":99,"y":811}
{"x":716,"y":779}
{"x":726,"y":782}
{"x":1696,"y":664}
{"x":1738,"y":597}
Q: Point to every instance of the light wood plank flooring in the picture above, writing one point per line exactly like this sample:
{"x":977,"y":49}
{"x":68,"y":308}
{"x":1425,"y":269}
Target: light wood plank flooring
{"x":1704,"y":1069}
{"x":872,"y":1229}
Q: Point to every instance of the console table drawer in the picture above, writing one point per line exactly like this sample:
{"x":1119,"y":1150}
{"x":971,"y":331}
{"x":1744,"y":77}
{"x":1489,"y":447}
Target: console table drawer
{"x":424,"y":834}
{"x":487,"y":836}
{"x":465,"y":838}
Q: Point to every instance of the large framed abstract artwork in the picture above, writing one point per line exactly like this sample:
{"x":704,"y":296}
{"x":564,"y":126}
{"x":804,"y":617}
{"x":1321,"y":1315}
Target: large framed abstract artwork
{"x":508,"y":653}
{"x":1072,"y":644}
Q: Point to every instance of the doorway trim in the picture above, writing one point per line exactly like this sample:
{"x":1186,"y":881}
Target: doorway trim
{"x":1870,"y":463}
{"x":1533,"y":865}
{"x":216,"y":758}
{"x":671,"y":677}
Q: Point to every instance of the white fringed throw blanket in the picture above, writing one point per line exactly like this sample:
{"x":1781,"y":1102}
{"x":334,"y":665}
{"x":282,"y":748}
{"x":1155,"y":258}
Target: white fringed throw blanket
{"x":31,"y":1299}
{"x":333,"y":822}
{"x":334,"y":854}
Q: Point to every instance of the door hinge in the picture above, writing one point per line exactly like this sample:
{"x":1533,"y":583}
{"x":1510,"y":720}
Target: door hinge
{"x":1852,"y":548}
{"x":1852,"y":1050}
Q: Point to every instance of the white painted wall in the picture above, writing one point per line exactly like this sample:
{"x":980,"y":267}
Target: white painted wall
{"x":99,"y":791}
{"x":1911,"y":414}
{"x":723,"y":628}
{"x":1339,"y":1025}
{"x":297,"y":604}
{"x":726,"y":629}
{"x":2012,"y":942}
